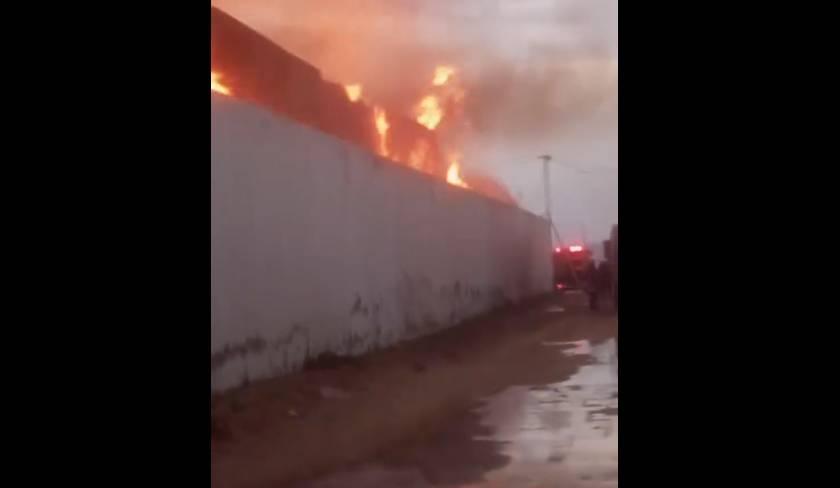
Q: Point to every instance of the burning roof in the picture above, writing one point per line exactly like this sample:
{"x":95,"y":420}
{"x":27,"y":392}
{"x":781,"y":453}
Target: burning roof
{"x":246,"y":65}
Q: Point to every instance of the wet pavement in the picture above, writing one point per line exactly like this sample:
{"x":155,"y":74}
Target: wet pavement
{"x":562,"y":434}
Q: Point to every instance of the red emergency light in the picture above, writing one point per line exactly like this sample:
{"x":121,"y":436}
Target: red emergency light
{"x":575,"y":248}
{"x":558,"y":249}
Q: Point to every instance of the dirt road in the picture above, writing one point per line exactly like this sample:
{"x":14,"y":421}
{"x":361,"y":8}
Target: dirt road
{"x":523,"y":398}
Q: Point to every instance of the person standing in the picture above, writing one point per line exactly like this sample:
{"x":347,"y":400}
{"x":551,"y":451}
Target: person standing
{"x":592,"y":285}
{"x":604,"y":279}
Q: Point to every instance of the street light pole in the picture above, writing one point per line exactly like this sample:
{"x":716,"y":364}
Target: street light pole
{"x":547,"y":186}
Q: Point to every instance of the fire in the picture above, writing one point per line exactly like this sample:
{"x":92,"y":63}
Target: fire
{"x":418,"y":155}
{"x":354,"y":92}
{"x":423,"y":134}
{"x":442,"y":74}
{"x":382,"y":127}
{"x":429,"y":112}
{"x":453,"y":175}
{"x":216,"y":85}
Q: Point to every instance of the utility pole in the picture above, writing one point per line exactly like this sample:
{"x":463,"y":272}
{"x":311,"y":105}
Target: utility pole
{"x":547,"y":186}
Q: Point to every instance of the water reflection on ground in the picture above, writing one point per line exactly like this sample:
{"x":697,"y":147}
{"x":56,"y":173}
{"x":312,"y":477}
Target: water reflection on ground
{"x":564,"y":431}
{"x":558,"y":434}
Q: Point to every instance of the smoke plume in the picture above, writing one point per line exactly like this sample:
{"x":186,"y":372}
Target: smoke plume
{"x":540,"y":75}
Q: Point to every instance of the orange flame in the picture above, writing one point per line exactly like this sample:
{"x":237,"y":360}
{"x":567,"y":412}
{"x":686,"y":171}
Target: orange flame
{"x":429,"y":112}
{"x":453,"y":175}
{"x":216,"y":85}
{"x":354,"y":92}
{"x":442,"y":74}
{"x":418,"y":155}
{"x":382,"y":127}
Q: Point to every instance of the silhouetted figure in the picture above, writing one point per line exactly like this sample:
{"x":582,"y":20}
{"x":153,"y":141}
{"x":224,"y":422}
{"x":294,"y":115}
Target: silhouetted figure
{"x":592,"y":282}
{"x":604,"y":279}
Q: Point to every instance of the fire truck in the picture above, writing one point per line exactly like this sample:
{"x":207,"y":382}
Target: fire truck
{"x":570,"y":267}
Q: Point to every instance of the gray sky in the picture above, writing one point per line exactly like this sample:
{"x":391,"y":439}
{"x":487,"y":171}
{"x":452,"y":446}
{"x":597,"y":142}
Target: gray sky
{"x":541,"y":77}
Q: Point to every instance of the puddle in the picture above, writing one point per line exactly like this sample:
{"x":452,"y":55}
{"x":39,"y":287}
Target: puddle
{"x":573,"y":348}
{"x":544,"y":435}
{"x":563,"y":432}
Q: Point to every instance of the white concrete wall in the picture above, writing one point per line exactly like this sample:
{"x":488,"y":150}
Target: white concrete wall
{"x":318,"y":245}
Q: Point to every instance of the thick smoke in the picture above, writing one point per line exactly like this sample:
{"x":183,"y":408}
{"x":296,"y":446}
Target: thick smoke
{"x":540,"y":75}
{"x":531,"y":68}
{"x":538,"y":101}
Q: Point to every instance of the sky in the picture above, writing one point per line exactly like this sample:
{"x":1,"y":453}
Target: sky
{"x":541,"y":78}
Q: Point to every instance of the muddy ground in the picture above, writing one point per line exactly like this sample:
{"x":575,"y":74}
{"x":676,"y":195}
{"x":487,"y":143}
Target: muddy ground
{"x":385,"y":405}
